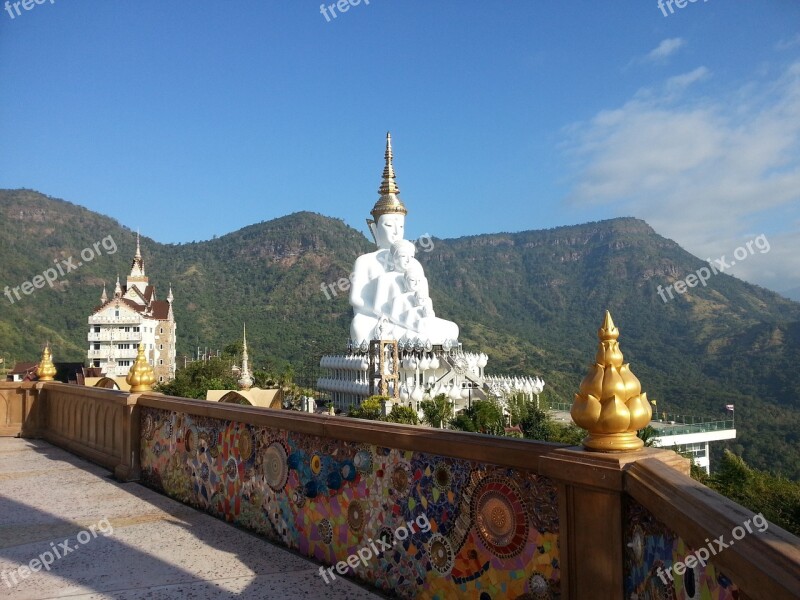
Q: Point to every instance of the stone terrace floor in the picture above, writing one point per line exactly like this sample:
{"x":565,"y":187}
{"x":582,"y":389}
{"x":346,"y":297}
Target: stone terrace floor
{"x":158,"y":549}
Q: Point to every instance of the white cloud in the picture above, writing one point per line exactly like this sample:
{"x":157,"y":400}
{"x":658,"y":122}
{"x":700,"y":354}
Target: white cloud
{"x":705,"y":172}
{"x":788,"y":44}
{"x":685,"y":80}
{"x":665,"y":49}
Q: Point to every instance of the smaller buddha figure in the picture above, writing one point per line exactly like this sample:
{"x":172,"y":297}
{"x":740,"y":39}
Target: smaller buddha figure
{"x":390,"y":284}
{"x":412,"y":305}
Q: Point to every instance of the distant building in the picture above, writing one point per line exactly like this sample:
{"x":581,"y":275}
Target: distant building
{"x":23,"y":371}
{"x":133,"y":316}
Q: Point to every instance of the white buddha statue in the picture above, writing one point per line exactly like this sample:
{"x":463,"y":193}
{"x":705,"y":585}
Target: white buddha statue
{"x":379,"y":277}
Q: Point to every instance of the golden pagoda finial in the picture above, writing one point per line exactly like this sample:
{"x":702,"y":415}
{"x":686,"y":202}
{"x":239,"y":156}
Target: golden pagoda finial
{"x":610,"y":404}
{"x":138,"y":247}
{"x":388,"y":203}
{"x":141,"y":377}
{"x":46,"y":370}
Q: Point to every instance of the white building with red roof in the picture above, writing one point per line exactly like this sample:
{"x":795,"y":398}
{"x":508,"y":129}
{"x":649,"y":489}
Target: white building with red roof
{"x":133,"y":316}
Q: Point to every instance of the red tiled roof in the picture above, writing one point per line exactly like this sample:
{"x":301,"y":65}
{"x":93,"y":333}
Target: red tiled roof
{"x":23,"y":367}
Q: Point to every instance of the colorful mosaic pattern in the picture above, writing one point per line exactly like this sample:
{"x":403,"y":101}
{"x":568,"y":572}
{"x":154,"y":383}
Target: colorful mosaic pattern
{"x":493,"y":531}
{"x":652,"y":545}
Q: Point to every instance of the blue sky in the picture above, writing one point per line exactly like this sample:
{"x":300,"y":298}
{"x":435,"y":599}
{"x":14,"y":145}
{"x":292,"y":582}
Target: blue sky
{"x":193,"y":119}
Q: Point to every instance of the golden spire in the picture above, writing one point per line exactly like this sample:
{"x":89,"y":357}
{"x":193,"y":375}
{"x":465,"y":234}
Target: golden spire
{"x":610,"y":404}
{"x":46,"y":370}
{"x":388,"y":203}
{"x":141,"y":377}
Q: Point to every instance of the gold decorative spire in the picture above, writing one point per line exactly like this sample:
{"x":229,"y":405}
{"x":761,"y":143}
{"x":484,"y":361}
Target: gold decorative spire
{"x":141,"y":377}
{"x":610,"y":404}
{"x":104,"y":296}
{"x":389,"y":202}
{"x":46,"y":370}
{"x":117,"y":288}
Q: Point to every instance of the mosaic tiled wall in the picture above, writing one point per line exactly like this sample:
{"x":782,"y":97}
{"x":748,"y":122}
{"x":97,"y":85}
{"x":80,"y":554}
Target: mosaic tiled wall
{"x":493,"y":531}
{"x":651,"y":546}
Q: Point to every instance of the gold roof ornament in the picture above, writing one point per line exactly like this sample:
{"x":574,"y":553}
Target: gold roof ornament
{"x":389,"y":202}
{"x":610,"y":404}
{"x":141,"y":377}
{"x":46,"y":370}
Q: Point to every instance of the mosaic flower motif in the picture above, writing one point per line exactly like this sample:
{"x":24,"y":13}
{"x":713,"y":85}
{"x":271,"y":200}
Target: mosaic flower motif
{"x":245,"y":445}
{"x":325,"y":531}
{"x":316,"y":464}
{"x":189,"y":440}
{"x":348,"y":470}
{"x":298,"y":498}
{"x":148,"y":427}
{"x":276,"y":470}
{"x":442,"y":477}
{"x":538,"y":587}
{"x":363,"y":461}
{"x":441,"y":554}
{"x":637,"y":544}
{"x":500,"y":517}
{"x":231,"y":470}
{"x":400,"y":479}
{"x":204,"y":472}
{"x":356,"y":516}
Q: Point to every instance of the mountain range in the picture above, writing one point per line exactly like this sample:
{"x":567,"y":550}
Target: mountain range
{"x":531,"y":300}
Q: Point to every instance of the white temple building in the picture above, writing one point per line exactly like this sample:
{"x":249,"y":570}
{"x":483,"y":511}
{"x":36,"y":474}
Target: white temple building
{"x":398,"y":346}
{"x":133,"y":316}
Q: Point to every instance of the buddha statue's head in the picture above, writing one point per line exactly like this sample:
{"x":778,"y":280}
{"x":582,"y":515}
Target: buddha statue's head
{"x":402,"y":253}
{"x":414,"y":277}
{"x":389,"y":229}
{"x":389,"y":213}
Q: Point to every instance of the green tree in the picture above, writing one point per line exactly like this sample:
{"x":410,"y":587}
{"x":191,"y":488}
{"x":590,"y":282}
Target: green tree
{"x":370,"y":409}
{"x":484,"y":416}
{"x":536,"y":424}
{"x":648,"y":435}
{"x":777,"y":498}
{"x":403,"y":414}
{"x":437,"y":412}
{"x":199,"y":377}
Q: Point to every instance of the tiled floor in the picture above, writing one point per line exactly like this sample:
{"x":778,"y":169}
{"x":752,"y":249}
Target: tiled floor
{"x":155,"y":548}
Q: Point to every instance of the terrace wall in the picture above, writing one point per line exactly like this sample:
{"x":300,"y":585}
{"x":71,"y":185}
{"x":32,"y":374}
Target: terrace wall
{"x":490,"y":518}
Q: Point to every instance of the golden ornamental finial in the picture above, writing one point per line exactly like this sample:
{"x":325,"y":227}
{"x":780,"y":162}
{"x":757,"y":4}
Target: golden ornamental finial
{"x":141,"y":377}
{"x":610,"y":404}
{"x":388,"y":203}
{"x":46,"y":370}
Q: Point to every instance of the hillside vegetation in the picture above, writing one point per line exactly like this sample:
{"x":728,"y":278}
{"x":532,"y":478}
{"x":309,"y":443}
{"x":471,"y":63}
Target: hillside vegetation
{"x":531,"y":300}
